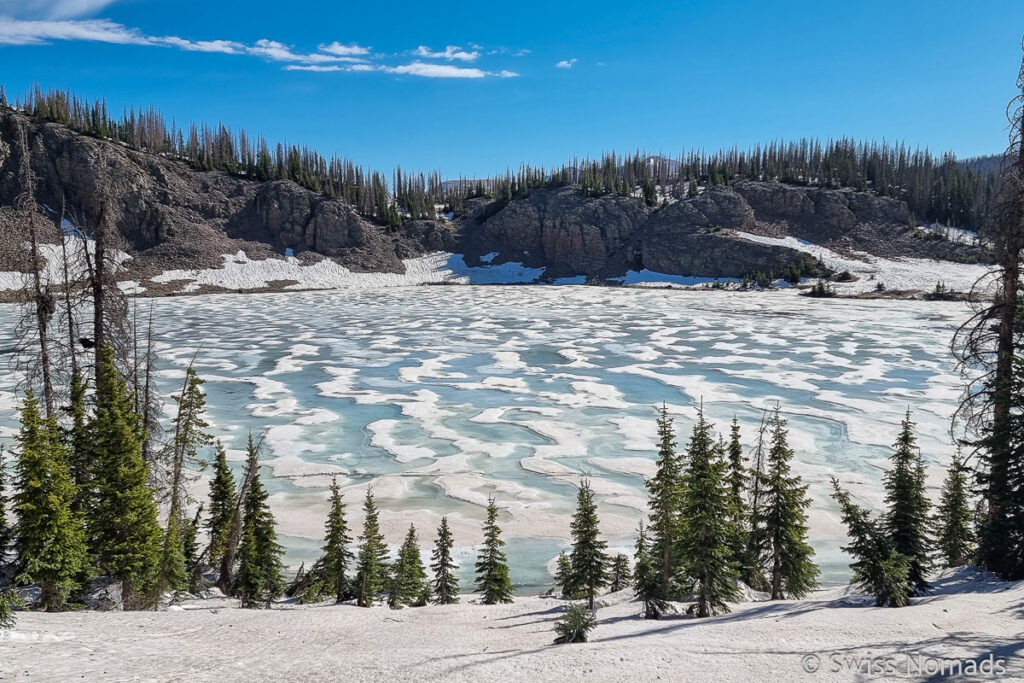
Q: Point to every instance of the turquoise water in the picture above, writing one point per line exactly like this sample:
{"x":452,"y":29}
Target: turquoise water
{"x":441,"y":396}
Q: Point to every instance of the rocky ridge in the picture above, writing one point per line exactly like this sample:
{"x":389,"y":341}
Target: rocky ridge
{"x":171,"y":216}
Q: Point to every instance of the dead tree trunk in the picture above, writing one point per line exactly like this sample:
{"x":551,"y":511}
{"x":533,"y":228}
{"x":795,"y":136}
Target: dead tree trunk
{"x":41,"y":297}
{"x":68,"y":308}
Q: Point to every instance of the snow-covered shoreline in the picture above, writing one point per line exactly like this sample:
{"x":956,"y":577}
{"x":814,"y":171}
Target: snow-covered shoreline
{"x":968,"y":618}
{"x":240,"y":273}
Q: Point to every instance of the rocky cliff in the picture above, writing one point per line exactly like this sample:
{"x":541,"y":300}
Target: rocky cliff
{"x":172,"y":216}
{"x":603,"y":236}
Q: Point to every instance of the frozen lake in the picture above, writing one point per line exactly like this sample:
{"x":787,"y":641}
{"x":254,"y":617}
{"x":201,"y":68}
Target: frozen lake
{"x":439,"y":396}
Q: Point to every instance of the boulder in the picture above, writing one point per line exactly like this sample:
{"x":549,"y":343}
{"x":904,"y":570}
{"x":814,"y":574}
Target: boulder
{"x":102,"y":593}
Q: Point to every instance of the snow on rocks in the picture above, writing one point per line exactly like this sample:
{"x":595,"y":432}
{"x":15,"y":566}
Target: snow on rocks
{"x":895,"y":274}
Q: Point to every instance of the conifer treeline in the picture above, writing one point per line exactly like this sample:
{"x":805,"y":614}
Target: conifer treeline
{"x":714,"y":522}
{"x":936,"y":188}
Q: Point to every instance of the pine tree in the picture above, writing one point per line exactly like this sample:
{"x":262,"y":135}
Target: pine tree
{"x":189,"y":436}
{"x":6,"y":532}
{"x":1001,"y":476}
{"x":621,"y":576}
{"x":589,"y":562}
{"x":172,"y":574}
{"x":77,"y":438}
{"x":877,"y":568}
{"x":782,"y":521}
{"x":222,"y":506}
{"x":446,"y":584}
{"x":409,"y":579}
{"x":647,"y":578}
{"x":752,"y":571}
{"x":259,"y":579}
{"x":492,"y":578}
{"x":907,"y":521}
{"x":337,"y":556}
{"x":739,"y":512}
{"x":563,"y":575}
{"x":123,"y":516}
{"x":190,"y":542}
{"x":708,"y":570}
{"x":574,"y":625}
{"x":665,"y":492}
{"x":8,"y":601}
{"x":50,"y":544}
{"x":372,"y":563}
{"x":955,"y":538}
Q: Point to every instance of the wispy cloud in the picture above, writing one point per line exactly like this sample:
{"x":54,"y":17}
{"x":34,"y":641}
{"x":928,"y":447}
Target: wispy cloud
{"x":451,"y":52}
{"x":29,"y":32}
{"x":319,"y":68}
{"x":51,"y":9}
{"x":350,"y":50}
{"x":279,"y":52}
{"x":428,"y":70}
{"x":437,"y":70}
{"x":228,"y":47}
{"x":566,"y":63}
{"x":329,"y":57}
{"x":505,"y":51}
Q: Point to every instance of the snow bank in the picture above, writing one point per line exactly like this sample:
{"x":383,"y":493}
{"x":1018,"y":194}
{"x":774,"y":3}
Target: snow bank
{"x":828,"y":637}
{"x":53,"y":258}
{"x":240,"y":272}
{"x":895,"y":274}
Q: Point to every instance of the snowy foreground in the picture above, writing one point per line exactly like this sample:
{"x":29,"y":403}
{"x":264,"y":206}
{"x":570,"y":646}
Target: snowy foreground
{"x":968,"y":618}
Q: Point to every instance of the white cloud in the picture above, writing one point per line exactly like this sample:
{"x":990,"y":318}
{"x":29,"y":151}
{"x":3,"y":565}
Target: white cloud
{"x":350,"y":50}
{"x":329,"y":58}
{"x":228,"y":47}
{"x":444,"y":71}
{"x":51,"y":9}
{"x":279,"y":52}
{"x":566,"y":63}
{"x":506,"y":51}
{"x":22,"y":32}
{"x":451,"y":52}
{"x":311,"y":67}
{"x":421,"y":69}
{"x":436,"y":70}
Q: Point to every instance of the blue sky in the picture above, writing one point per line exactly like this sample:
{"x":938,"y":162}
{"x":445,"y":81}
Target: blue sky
{"x":475,"y":87}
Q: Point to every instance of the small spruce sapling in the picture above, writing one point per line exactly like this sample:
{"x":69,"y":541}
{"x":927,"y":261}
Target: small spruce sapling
{"x":621,"y":575}
{"x":877,"y":568}
{"x":492,"y":577}
{"x":575,"y":624}
{"x":446,"y":583}
{"x":955,"y":535}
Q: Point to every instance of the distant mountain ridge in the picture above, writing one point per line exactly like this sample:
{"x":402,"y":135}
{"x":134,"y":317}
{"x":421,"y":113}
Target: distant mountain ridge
{"x":172,"y":216}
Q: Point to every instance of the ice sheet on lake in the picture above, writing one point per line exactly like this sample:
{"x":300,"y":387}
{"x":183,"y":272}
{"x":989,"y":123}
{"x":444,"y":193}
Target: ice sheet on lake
{"x":441,"y":396}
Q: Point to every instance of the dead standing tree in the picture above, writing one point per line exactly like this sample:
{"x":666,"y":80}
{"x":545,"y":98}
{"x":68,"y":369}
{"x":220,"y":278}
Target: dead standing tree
{"x":987,"y":348}
{"x":40,"y":301}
